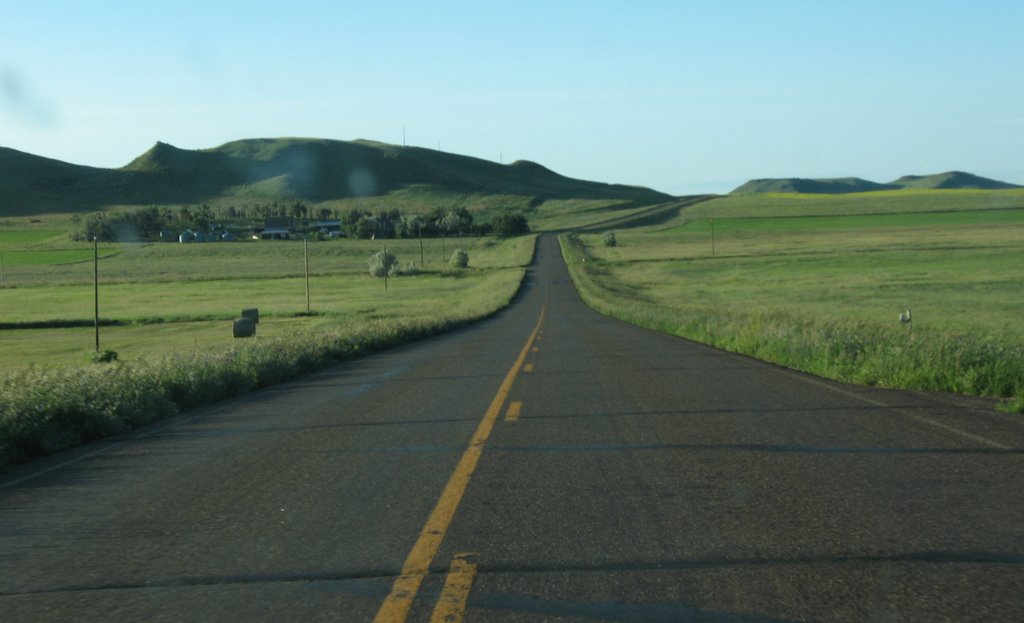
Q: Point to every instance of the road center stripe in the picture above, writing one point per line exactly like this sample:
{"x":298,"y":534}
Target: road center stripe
{"x":395,"y":608}
{"x":514,"y":409}
{"x":451,"y":607}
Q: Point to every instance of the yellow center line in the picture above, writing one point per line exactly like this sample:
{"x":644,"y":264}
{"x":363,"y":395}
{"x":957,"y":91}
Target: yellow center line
{"x":395,"y":608}
{"x":528,"y":368}
{"x":451,"y":607}
{"x":514,"y":409}
{"x":534,"y":349}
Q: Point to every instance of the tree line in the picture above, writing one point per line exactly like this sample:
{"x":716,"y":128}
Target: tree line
{"x":148,"y":222}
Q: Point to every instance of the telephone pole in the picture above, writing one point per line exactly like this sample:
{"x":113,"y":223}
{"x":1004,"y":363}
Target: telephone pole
{"x":305,"y":255}
{"x":96,"y":288}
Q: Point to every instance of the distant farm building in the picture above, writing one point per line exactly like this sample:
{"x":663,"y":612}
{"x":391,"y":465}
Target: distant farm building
{"x":275,"y":234}
{"x":329,"y":228}
{"x":275,"y":228}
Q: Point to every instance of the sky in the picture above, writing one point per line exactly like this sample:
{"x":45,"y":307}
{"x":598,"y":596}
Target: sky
{"x":681,"y":96}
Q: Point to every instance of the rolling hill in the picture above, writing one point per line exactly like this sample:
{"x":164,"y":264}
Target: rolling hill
{"x":313,"y":170}
{"x":952,"y":179}
{"x":835,"y":186}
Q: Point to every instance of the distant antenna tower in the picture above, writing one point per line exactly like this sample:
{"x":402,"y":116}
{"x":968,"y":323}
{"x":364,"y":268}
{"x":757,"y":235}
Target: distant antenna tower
{"x":403,"y":136}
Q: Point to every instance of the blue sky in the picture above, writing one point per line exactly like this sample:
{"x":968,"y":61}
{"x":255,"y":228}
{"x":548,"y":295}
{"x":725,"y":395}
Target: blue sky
{"x":680,"y":96}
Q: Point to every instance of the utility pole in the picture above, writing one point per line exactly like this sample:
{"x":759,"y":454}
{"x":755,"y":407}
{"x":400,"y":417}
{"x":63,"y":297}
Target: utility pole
{"x":305,"y":254}
{"x":712,"y":237}
{"x":422,"y":264}
{"x":386,"y":267}
{"x":96,"y":288}
{"x":1,"y":267}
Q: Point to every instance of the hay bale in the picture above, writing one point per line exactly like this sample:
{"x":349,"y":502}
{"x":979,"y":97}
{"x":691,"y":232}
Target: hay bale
{"x":244,"y":327}
{"x":252,"y":312}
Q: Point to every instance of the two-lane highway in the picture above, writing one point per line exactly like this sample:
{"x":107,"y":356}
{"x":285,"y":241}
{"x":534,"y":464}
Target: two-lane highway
{"x":547,"y":464}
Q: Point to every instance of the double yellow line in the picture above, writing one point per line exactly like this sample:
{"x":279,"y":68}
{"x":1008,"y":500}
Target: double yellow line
{"x":397,"y":604}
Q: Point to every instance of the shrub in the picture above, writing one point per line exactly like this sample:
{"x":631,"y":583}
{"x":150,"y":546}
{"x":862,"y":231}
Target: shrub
{"x":410,"y":268}
{"x":609,"y":239}
{"x":382,"y":264}
{"x":459,"y":259}
{"x":103,"y":356}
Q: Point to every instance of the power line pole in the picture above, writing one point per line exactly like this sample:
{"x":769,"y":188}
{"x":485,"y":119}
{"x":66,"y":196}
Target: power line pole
{"x":305,"y":255}
{"x":712,"y":237}
{"x":96,"y":288}
{"x":422,"y":264}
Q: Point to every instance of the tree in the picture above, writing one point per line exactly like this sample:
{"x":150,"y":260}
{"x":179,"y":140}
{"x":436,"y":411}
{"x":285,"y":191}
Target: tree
{"x":352,"y":221}
{"x":384,"y":223}
{"x":204,"y":216}
{"x":459,"y":220}
{"x":510,"y":223}
{"x":408,"y":226}
{"x":449,"y":222}
{"x":148,"y":221}
{"x":365,"y":227}
{"x":97,"y":226}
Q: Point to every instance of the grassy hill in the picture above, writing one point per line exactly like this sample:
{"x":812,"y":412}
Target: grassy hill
{"x":835,"y":186}
{"x":312,"y":170}
{"x":950,"y":180}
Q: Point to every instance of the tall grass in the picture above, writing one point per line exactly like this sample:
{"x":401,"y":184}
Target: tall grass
{"x":853,"y":351}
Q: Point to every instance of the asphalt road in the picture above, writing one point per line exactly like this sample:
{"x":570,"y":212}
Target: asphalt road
{"x":548,"y":464}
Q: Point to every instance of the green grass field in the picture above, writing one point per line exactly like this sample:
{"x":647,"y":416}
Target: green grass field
{"x":823,"y":293}
{"x":858,"y":221}
{"x":880,"y":202}
{"x":172,"y":308}
{"x":25,"y":237}
{"x":183,"y":297}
